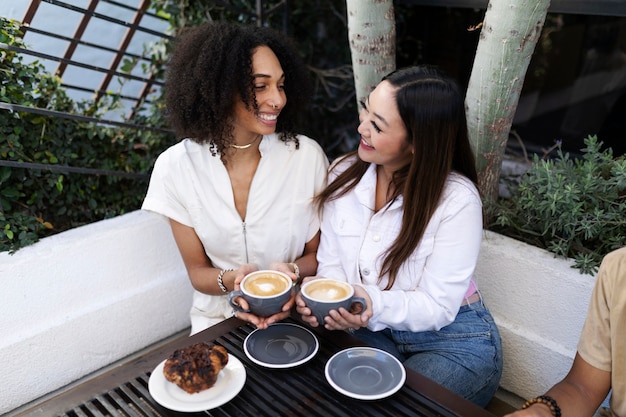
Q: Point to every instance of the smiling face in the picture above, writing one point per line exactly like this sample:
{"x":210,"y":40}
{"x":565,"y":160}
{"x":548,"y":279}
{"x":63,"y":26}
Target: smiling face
{"x":269,"y":83}
{"x":383,"y":134}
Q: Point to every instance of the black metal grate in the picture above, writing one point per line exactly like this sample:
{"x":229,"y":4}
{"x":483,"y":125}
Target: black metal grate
{"x":129,"y":399}
{"x":300,"y":391}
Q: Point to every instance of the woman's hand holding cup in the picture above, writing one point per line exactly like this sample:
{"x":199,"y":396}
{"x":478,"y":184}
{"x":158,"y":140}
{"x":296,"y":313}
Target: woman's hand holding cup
{"x":263,"y":297}
{"x":285,"y":267}
{"x":335,"y":304}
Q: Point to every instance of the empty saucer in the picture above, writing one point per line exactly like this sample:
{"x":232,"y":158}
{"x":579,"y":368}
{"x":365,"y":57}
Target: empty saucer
{"x":365,"y":373}
{"x":281,"y":345}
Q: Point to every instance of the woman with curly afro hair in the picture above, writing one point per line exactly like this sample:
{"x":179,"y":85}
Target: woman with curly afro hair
{"x":238,"y":188}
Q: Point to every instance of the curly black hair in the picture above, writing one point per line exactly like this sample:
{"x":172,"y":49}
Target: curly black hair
{"x":211,"y":68}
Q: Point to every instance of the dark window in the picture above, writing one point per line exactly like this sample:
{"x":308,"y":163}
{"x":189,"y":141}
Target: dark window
{"x":575,"y":84}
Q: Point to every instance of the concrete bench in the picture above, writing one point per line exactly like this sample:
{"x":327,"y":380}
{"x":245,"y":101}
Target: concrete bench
{"x":120,"y":285}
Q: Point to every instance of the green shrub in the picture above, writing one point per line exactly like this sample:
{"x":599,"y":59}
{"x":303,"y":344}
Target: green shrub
{"x":573,"y":207}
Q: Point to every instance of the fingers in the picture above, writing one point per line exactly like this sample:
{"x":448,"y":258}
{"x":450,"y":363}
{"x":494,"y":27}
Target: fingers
{"x":285,"y":268}
{"x":299,"y":301}
{"x":250,"y":318}
{"x":290,"y":303}
{"x":343,"y":320}
{"x":305,"y":314}
{"x":241,"y":302}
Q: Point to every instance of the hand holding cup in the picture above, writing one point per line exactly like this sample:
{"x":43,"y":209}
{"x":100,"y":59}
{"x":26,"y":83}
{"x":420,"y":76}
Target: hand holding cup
{"x":264,"y":291}
{"x":325,"y":294}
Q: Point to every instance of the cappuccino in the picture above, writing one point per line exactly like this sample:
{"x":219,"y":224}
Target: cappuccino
{"x":327,"y":290}
{"x":325,"y":294}
{"x":265,"y":291}
{"x":265,"y":284}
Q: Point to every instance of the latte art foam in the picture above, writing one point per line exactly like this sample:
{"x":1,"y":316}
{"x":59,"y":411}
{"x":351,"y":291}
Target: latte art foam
{"x":327,"y":291}
{"x":266,"y":285}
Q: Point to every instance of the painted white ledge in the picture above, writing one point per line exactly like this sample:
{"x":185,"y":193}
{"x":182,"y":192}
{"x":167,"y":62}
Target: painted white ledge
{"x":80,"y":300}
{"x":539,"y":303}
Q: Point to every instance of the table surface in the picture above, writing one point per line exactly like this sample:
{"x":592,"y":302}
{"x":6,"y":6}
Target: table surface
{"x":298,"y":391}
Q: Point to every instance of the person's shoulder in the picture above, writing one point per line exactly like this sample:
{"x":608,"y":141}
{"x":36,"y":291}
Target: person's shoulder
{"x":180,"y":152}
{"x":457,"y":183}
{"x":307,"y":151}
{"x":184,"y":146}
{"x":614,"y":263}
{"x":309,"y":144}
{"x":341,"y":163}
{"x":618,"y":255}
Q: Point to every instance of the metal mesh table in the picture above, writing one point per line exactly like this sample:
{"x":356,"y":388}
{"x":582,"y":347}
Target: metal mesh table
{"x":298,"y":391}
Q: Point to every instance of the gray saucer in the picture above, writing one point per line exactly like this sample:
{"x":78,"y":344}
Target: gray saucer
{"x":365,"y":373}
{"x":282,"y":345}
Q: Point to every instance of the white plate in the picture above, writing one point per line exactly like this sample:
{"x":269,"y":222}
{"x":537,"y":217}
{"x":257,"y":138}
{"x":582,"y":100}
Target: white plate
{"x":229,"y":382}
{"x":281,"y":345}
{"x":365,"y":373}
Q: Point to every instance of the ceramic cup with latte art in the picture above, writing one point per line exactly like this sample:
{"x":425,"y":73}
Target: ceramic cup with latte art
{"x":265,"y":291}
{"x":324,"y":294}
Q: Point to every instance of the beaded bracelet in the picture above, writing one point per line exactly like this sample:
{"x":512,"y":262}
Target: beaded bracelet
{"x":220,"y":279}
{"x":546,"y":400}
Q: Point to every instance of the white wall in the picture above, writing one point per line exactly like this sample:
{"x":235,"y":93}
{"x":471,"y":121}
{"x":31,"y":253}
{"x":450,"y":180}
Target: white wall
{"x":80,"y":300}
{"x":539,"y":303}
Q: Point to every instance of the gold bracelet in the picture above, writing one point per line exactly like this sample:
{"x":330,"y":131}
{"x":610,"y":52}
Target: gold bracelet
{"x":296,"y":270}
{"x":220,"y":280}
{"x":547,"y":401}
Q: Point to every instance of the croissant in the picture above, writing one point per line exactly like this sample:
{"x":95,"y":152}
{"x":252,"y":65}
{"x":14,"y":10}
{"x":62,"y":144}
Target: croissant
{"x":195,"y":368}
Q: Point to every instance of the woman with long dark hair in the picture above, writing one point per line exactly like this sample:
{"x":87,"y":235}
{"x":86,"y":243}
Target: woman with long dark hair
{"x":402,"y":222}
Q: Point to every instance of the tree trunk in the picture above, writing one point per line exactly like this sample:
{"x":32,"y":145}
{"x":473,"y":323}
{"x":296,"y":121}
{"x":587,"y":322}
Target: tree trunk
{"x":372,"y":37}
{"x":507,"y":40}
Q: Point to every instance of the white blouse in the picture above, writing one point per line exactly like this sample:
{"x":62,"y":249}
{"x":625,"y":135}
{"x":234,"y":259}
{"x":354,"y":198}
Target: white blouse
{"x":431,"y":284}
{"x":190,"y":185}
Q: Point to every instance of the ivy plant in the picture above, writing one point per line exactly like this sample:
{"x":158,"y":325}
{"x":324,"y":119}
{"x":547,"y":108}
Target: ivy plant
{"x":47,"y":199}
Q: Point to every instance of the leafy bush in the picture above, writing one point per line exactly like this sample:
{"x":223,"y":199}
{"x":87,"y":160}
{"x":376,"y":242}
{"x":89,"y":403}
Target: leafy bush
{"x":573,"y":207}
{"x":47,"y":199}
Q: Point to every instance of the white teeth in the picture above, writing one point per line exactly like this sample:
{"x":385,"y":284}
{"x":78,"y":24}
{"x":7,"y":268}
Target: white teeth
{"x":268,"y":117}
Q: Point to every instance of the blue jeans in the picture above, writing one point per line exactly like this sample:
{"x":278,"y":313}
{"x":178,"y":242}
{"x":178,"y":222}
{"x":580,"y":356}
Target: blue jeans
{"x":465,"y":356}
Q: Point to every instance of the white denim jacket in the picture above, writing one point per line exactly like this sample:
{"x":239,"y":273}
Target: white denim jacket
{"x":433,"y":282}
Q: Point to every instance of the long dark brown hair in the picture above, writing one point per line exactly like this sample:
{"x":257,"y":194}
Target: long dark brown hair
{"x":432,"y":108}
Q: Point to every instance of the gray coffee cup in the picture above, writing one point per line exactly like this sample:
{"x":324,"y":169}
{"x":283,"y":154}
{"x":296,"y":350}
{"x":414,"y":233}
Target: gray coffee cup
{"x":324,"y":294}
{"x":266,"y":292}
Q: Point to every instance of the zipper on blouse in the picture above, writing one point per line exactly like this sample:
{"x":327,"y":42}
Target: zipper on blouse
{"x":245,"y":241}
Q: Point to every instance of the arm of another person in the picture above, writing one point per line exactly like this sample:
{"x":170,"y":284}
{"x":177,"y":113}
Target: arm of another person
{"x":579,"y":394}
{"x":307,"y":263}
